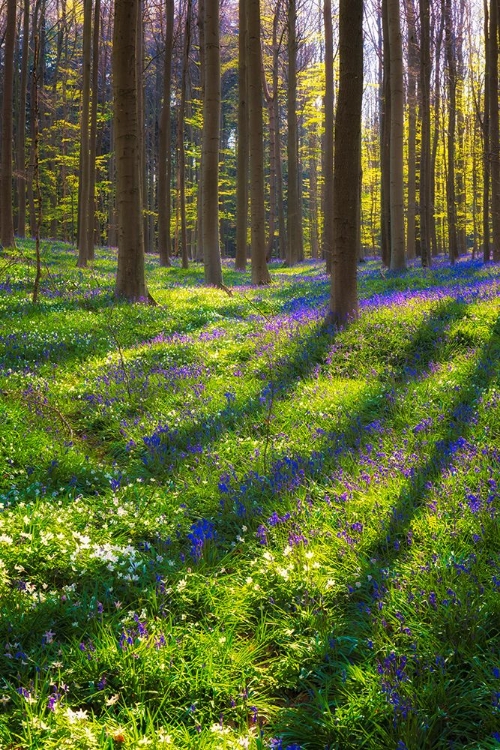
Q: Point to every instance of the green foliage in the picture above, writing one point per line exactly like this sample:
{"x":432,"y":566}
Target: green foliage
{"x":223,"y":525}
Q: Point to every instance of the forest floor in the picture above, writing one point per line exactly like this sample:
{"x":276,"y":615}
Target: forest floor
{"x":224,"y":525}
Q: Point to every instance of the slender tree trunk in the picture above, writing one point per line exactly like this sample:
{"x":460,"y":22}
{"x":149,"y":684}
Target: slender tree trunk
{"x":347,"y":165}
{"x":21,"y":127}
{"x":130,"y":278}
{"x":398,"y":262}
{"x":494,"y":130}
{"x":313,"y":193}
{"x":199,"y":207}
{"x":486,"y":140}
{"x":425,"y":149}
{"x":272,"y":167}
{"x":210,"y":145}
{"x":242,"y":167}
{"x":84,"y":184}
{"x":280,"y":206}
{"x":6,"y":213}
{"x":260,"y":272}
{"x":451,"y":198}
{"x":385,"y":137}
{"x":413,"y":61}
{"x":93,"y":131}
{"x":328,"y":139}
{"x":181,"y":158}
{"x":294,"y":212}
{"x":164,"y":137}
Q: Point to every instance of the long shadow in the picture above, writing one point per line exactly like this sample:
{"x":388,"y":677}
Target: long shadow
{"x":299,"y":366}
{"x":392,"y":543}
{"x":290,"y":471}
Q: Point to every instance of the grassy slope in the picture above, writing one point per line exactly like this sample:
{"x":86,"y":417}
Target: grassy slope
{"x":224,"y":526}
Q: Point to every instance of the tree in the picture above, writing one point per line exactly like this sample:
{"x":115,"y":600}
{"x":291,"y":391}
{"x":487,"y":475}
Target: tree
{"x":164,"y":138}
{"x":294,"y":211}
{"x":494,"y":128}
{"x":242,"y":168}
{"x":130,"y":278}
{"x":210,"y":145}
{"x":328,"y":138}
{"x":84,"y":184}
{"x":21,"y":128}
{"x":397,"y":231}
{"x":347,"y":163}
{"x":260,"y":272}
{"x":413,"y":62}
{"x":6,"y":212}
{"x":425,"y":148}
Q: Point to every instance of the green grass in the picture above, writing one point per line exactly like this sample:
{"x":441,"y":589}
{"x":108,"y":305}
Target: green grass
{"x":224,"y":525}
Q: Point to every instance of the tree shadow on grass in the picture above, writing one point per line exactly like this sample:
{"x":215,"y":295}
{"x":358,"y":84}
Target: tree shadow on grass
{"x":447,"y":728}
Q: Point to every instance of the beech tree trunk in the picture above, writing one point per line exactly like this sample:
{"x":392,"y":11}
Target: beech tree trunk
{"x":6,"y":212}
{"x":130,"y":278}
{"x":413,"y":60}
{"x":242,"y":166}
{"x":425,"y":148}
{"x":494,"y":130}
{"x":398,"y":262}
{"x":164,"y":138}
{"x":347,"y":165}
{"x":260,"y":272}
{"x":84,"y":185}
{"x":486,"y":139}
{"x":328,"y":139}
{"x":294,"y":210}
{"x":452,"y":119}
{"x":210,"y":145}
{"x":21,"y":127}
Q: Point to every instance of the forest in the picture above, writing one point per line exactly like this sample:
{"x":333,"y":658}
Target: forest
{"x":249,"y":374}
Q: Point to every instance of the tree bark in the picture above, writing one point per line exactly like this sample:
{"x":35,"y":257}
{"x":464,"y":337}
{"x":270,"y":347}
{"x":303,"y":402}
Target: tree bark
{"x":164,"y":137}
{"x":347,"y":165}
{"x":328,"y":139}
{"x":451,"y":64}
{"x":413,"y":60}
{"x":494,"y":130}
{"x":242,"y":165}
{"x":130,"y":278}
{"x":398,"y":262}
{"x":425,"y":149}
{"x":294,"y":211}
{"x":21,"y":128}
{"x":84,"y":184}
{"x":260,"y":272}
{"x":6,"y":212}
{"x":210,"y":145}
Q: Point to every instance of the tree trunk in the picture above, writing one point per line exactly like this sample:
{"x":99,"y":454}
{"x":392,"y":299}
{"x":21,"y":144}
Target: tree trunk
{"x":425,"y":149}
{"x":294,"y":212}
{"x":181,"y":158}
{"x":130,"y":279}
{"x":451,"y":199}
{"x":344,"y":297}
{"x":260,"y":272}
{"x":210,"y":146}
{"x":164,"y":137}
{"x":398,"y":262}
{"x":242,"y":166}
{"x":494,"y":130}
{"x":21,"y":127}
{"x":84,"y":184}
{"x":328,"y":139}
{"x":385,"y":137}
{"x":93,"y":131}
{"x":486,"y":140}
{"x":6,"y":213}
{"x":412,"y":129}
